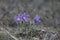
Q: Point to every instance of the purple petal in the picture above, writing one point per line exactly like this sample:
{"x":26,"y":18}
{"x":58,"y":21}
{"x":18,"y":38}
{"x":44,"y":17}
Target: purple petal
{"x":18,"y":18}
{"x":26,"y":17}
{"x":37,"y":19}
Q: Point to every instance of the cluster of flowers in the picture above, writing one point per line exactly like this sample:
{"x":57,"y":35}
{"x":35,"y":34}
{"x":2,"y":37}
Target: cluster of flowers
{"x":26,"y":18}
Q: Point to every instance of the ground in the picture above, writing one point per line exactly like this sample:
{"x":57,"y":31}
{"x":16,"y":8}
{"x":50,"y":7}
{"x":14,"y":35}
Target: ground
{"x":48,"y":10}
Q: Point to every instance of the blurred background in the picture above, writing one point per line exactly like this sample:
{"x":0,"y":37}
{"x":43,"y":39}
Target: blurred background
{"x":48,"y":10}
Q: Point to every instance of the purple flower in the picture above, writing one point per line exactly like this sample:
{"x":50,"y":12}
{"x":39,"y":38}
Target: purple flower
{"x":26,"y":17}
{"x":37,"y":19}
{"x":18,"y":18}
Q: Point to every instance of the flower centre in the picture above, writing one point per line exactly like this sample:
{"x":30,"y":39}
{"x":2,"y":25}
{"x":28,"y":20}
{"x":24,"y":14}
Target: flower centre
{"x":18,"y":18}
{"x":24,"y":17}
